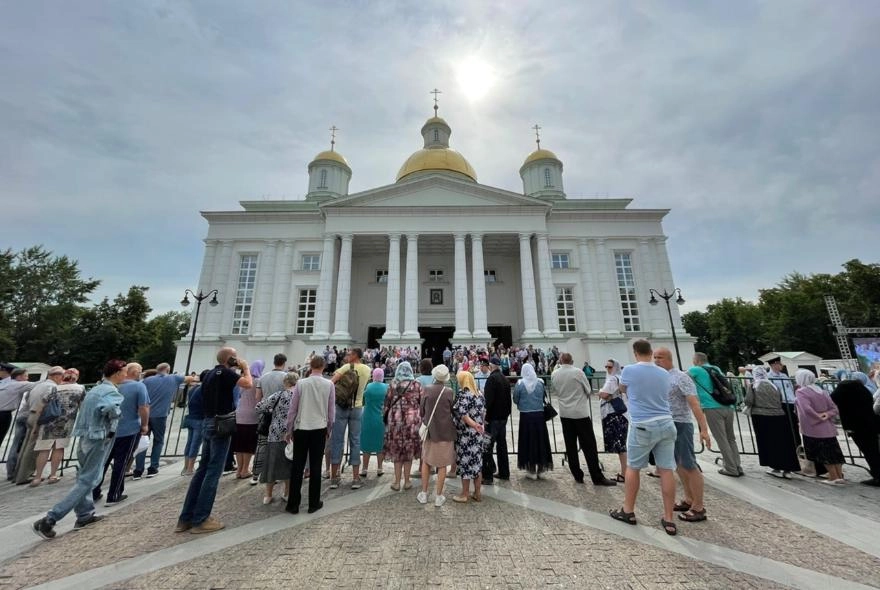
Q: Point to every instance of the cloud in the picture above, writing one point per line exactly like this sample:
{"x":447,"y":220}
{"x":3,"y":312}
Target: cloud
{"x":754,"y":122}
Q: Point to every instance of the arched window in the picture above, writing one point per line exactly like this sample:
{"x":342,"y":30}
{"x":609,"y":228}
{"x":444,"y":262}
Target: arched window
{"x":436,"y":135}
{"x":548,"y":181}
{"x":323,"y":182}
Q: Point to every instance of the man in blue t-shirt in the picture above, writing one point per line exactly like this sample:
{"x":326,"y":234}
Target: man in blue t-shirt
{"x":651,"y":429}
{"x":161,"y":388}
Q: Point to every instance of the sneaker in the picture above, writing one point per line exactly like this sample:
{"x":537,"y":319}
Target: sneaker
{"x":110,"y":502}
{"x":439,"y":501}
{"x":531,"y":475}
{"x":182,"y":526}
{"x":210,"y":525}
{"x":152,"y":472}
{"x":325,"y":475}
{"x":254,"y":480}
{"x":334,"y":483}
{"x":775,"y":473}
{"x":357,"y":484}
{"x":313,"y":509}
{"x":422,"y":498}
{"x":44,"y":528}
{"x":136,"y":475}
{"x":83,"y":523}
{"x":228,"y":470}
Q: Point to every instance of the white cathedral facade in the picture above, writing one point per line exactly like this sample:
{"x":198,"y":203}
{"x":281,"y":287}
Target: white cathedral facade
{"x":434,"y":259}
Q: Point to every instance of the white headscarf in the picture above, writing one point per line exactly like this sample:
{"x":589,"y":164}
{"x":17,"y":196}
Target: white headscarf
{"x":805,"y":378}
{"x":758,"y":374}
{"x":529,"y":377}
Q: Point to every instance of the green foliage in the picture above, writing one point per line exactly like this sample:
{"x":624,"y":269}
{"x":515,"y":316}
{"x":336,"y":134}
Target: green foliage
{"x":163,"y":332}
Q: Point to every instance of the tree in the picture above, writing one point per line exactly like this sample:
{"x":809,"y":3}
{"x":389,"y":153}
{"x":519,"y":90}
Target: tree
{"x":730,"y":332}
{"x":162,"y":334}
{"x":696,"y":323}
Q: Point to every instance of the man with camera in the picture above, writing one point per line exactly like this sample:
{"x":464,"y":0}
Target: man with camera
{"x":219,"y":408}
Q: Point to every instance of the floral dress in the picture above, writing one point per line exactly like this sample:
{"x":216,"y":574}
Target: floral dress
{"x":69,"y":396}
{"x":469,"y":444}
{"x":402,"y":442}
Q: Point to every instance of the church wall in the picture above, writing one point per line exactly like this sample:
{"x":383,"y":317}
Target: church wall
{"x":504,"y":298}
{"x":368,"y":297}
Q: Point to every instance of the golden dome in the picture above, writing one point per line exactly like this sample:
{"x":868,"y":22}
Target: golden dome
{"x":540,"y":154}
{"x":443,"y":159}
{"x":331,"y":155}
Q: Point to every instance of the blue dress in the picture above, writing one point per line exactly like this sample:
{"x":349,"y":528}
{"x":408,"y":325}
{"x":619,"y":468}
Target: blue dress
{"x":372,"y":427}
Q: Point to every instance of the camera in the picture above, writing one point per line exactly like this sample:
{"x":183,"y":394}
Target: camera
{"x":232,"y":362}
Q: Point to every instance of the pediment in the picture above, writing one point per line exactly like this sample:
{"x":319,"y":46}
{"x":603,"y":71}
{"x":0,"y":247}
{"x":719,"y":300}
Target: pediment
{"x":435,"y":191}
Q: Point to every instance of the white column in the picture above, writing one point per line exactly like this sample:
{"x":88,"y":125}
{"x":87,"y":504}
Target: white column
{"x":658,"y":322}
{"x":392,"y":296}
{"x":264,"y":293}
{"x":411,"y":288}
{"x":609,"y":289}
{"x":461,"y":290}
{"x":231,"y":292}
{"x":592,"y":311}
{"x":219,"y":280}
{"x":205,"y":281}
{"x":530,"y":302}
{"x":343,"y":290}
{"x":325,"y":289}
{"x":666,"y":280}
{"x":279,"y":323}
{"x":481,"y":329}
{"x":548,"y":292}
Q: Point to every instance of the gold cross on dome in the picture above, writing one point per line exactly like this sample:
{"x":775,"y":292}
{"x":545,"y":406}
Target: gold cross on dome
{"x":333,"y":131}
{"x":435,"y":92}
{"x":537,"y":129}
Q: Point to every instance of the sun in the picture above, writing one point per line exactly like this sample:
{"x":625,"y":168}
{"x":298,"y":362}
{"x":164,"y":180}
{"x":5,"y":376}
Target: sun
{"x":475,"y":77}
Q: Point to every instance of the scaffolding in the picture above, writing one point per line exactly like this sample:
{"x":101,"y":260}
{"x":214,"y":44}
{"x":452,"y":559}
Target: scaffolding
{"x":843,"y":334}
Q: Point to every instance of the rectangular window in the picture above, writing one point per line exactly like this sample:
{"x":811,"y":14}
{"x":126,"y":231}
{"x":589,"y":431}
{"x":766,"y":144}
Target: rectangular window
{"x":490,"y":275}
{"x":244,"y":296}
{"x":305,"y":311}
{"x":559,"y":260}
{"x":311,"y":262}
{"x":627,"y":285}
{"x":565,"y":309}
{"x":382,"y":276}
{"x":435,"y":275}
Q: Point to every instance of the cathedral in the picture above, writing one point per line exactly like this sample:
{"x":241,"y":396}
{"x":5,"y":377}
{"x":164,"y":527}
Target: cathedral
{"x":434,"y":259}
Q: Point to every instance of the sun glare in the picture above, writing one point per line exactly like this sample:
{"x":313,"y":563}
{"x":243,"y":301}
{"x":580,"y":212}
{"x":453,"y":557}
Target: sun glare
{"x":475,"y":78}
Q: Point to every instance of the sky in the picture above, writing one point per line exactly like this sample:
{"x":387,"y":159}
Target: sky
{"x":756,"y":123}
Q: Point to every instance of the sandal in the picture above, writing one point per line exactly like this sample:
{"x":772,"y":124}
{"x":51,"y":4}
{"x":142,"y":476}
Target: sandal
{"x":477,"y":498}
{"x":53,"y":479}
{"x":623,"y":516}
{"x":652,"y":474}
{"x":619,"y":478}
{"x":682,"y":506}
{"x":460,"y":499}
{"x":407,"y":485}
{"x":395,"y":487}
{"x":669,"y":526}
{"x":35,"y":483}
{"x":693,"y":515}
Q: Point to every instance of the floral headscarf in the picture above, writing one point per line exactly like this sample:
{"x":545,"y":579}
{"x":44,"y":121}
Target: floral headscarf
{"x":404,"y":372}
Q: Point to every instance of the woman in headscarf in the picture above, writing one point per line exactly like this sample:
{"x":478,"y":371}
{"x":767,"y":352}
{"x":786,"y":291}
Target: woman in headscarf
{"x":533,"y":453}
{"x":244,"y":440}
{"x":470,"y":412}
{"x":854,"y":401}
{"x":615,"y":426}
{"x":402,"y":419}
{"x":276,"y":466}
{"x":815,"y":412}
{"x":372,"y":426}
{"x":777,"y":449}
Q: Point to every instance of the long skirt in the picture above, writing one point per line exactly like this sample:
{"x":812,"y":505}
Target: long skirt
{"x":245,"y":439}
{"x":777,"y":448}
{"x":825,"y":451}
{"x":276,"y":467}
{"x":533,"y":446}
{"x":615,"y":428}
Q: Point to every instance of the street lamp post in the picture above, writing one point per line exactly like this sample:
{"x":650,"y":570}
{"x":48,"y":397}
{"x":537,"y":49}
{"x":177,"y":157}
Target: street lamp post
{"x":185,"y":302}
{"x":679,"y":301}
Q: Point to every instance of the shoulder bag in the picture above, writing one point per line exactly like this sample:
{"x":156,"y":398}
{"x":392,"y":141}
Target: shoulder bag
{"x":423,"y":429}
{"x":265,"y":422}
{"x":224,"y":424}
{"x":396,"y":399}
{"x":549,"y":411}
{"x":51,"y":411}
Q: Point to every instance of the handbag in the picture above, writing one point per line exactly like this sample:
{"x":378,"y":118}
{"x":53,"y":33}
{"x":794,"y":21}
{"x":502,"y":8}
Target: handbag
{"x":423,"y":429}
{"x":51,"y":411}
{"x":807,"y":466}
{"x":143,"y":444}
{"x":549,"y":411}
{"x":224,"y":424}
{"x":265,"y":421}
{"x":618,"y":405}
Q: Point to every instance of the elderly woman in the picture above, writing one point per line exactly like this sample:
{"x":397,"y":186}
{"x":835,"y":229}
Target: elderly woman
{"x":244,"y":441}
{"x":438,"y":449}
{"x":853,"y":400}
{"x":55,"y":437}
{"x":777,"y":448}
{"x":277,"y":466}
{"x":815,"y":412}
{"x":372,"y":426}
{"x":425,"y":368}
{"x":615,"y":426}
{"x":470,"y":412}
{"x":402,"y":417}
{"x":533,"y":453}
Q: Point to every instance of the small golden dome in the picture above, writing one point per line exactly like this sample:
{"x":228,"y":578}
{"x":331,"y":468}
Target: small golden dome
{"x":331,"y":155}
{"x":540,"y":154}
{"x":443,"y":159}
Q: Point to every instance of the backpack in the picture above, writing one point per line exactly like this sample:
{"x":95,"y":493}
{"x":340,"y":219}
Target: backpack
{"x":720,"y":387}
{"x":347,"y":388}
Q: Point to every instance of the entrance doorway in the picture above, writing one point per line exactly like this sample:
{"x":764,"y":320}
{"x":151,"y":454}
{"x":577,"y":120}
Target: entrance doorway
{"x":373,"y":335}
{"x":436,"y":339}
{"x":501,"y":335}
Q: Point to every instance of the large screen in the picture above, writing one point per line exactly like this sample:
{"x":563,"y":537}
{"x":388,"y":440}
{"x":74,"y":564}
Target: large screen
{"x":868,"y":353}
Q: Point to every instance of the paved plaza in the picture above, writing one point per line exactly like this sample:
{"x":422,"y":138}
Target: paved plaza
{"x":762,"y":533}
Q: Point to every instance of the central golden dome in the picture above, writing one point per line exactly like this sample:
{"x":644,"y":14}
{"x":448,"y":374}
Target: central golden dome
{"x":441,"y":159}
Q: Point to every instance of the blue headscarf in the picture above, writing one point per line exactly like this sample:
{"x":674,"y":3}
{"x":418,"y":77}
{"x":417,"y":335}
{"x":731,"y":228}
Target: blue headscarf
{"x":859,"y":376}
{"x":404,"y":372}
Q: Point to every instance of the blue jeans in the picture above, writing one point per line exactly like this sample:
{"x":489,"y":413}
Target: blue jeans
{"x":19,"y":434}
{"x":91,"y":454}
{"x":647,"y":437}
{"x":203,"y":486}
{"x":193,"y":437}
{"x":351,"y":418}
{"x":157,"y":431}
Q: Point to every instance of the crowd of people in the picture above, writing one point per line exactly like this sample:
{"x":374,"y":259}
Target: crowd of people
{"x":278,"y":426}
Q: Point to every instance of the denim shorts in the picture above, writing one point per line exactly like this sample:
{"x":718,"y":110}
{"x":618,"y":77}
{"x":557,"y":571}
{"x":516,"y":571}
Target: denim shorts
{"x":684,"y":446}
{"x":656,"y":437}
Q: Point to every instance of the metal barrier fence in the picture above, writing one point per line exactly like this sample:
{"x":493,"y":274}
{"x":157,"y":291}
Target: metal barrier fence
{"x":175,"y":432}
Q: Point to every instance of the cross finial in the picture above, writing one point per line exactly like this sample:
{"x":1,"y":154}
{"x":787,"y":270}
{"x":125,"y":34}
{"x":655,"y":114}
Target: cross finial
{"x":537,"y":129}
{"x":435,"y":92}
{"x":333,"y":131}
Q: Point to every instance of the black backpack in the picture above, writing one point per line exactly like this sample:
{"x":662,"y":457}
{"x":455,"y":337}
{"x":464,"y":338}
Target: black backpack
{"x":720,"y":387}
